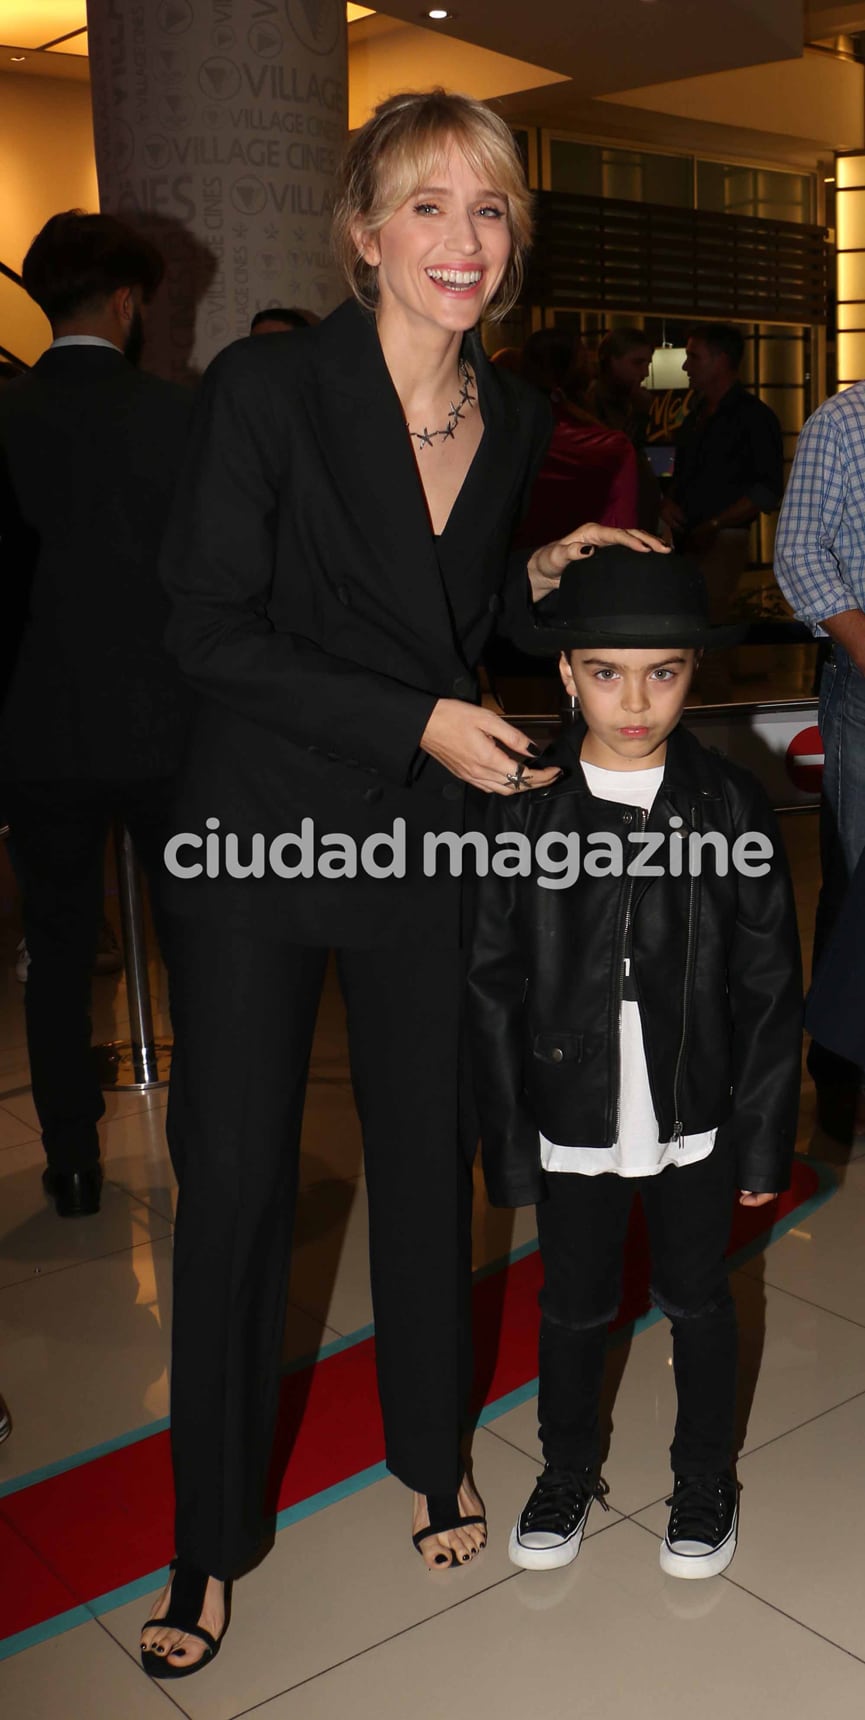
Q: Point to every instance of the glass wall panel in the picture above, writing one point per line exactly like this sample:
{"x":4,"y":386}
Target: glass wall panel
{"x":731,"y":189}
{"x":593,"y":170}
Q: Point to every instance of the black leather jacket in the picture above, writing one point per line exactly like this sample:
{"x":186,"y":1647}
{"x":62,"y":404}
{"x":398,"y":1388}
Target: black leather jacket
{"x":715,"y":959}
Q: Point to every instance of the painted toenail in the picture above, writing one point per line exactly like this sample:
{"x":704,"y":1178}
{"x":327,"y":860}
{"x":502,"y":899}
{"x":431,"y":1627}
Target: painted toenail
{"x":441,"y":1558}
{"x":466,"y":1557}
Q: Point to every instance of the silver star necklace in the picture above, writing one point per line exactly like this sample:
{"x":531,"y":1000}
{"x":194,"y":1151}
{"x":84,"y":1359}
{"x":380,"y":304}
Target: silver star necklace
{"x":425,"y":438}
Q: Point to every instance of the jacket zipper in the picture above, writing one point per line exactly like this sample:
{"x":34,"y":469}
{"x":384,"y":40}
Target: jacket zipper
{"x":640,"y":815}
{"x":678,"y":1127}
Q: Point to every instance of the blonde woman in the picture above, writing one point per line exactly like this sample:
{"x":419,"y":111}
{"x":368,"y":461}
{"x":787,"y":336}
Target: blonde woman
{"x":337,"y":563}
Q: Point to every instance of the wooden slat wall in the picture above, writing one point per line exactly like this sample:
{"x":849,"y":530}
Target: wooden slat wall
{"x":604,"y":253}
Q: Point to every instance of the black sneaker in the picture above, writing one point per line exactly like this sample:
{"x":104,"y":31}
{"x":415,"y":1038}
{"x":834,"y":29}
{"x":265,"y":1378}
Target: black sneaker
{"x":704,"y":1519}
{"x":550,"y":1527}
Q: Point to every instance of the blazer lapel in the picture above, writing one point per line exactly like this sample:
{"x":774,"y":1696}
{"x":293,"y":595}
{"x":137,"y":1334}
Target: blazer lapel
{"x":365,"y":444}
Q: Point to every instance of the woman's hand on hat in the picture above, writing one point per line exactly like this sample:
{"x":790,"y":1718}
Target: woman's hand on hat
{"x":470,"y":742}
{"x":548,"y":564}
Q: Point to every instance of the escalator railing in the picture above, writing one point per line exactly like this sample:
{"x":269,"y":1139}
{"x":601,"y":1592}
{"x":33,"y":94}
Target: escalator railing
{"x":23,"y":327}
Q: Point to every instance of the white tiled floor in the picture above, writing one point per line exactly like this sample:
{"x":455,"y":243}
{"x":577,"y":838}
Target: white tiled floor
{"x":342,"y":1619}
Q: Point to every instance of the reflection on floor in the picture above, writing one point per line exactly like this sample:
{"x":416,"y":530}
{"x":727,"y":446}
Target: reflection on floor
{"x":341,"y":1618}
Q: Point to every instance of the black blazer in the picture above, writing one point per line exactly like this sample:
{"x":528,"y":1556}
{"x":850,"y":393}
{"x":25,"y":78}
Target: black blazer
{"x":92,"y":448}
{"x":321,"y":619}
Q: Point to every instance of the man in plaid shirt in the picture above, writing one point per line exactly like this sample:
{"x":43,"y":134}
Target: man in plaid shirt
{"x":820,"y":567}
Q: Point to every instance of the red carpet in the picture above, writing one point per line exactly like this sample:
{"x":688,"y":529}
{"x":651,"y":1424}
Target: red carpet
{"x":69,"y":1539}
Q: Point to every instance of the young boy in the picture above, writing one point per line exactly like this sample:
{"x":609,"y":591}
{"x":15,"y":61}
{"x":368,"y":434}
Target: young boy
{"x":636,"y":1015}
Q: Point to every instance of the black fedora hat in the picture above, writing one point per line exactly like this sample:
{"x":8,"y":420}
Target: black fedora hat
{"x":630,"y":598}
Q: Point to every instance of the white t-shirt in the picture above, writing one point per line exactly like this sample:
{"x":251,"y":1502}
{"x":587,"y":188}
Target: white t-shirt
{"x":637,"y":1152}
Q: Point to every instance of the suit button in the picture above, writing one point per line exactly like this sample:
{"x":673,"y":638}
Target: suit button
{"x":372,"y":794}
{"x":452,"y":791}
{"x":344,"y":595}
{"x":557,"y":1054}
{"x":494,"y":604}
{"x":333,"y":758}
{"x":627,"y":818}
{"x":463,"y":687}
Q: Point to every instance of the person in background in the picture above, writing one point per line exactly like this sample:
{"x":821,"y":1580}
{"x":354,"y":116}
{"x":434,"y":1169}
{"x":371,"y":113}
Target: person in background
{"x":275,"y":319}
{"x":729,"y":464}
{"x":588,"y":472}
{"x":820,"y":567}
{"x":617,"y":396}
{"x":618,"y":399}
{"x":108,"y":958}
{"x":94,"y":721}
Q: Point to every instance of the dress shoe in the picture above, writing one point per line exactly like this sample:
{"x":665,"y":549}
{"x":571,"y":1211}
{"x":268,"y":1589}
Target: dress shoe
{"x":75,"y":1193}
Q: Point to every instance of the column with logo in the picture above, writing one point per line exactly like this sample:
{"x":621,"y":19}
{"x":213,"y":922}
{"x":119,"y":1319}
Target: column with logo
{"x":218,"y":127}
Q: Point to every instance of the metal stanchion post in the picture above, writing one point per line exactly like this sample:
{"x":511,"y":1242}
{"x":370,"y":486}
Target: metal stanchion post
{"x":141,"y":1063}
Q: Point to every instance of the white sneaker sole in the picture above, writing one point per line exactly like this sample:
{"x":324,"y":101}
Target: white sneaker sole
{"x":543,"y":1558}
{"x":695,"y":1566}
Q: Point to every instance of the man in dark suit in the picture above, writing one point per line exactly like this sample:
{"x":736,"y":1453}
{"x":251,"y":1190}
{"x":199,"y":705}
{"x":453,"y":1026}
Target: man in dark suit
{"x":93,"y":723}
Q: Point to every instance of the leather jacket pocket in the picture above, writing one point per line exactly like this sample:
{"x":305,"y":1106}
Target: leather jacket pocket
{"x":558,"y":1047}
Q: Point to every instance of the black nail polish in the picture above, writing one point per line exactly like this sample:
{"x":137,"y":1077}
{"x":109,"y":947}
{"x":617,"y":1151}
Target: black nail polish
{"x":585,"y":549}
{"x":441,"y":1558}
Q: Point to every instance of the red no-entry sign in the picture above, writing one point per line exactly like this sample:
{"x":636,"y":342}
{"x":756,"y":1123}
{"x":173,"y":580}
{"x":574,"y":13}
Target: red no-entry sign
{"x":805,"y":759}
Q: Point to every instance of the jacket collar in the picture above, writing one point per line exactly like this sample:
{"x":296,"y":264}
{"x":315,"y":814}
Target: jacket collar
{"x":688,"y":768}
{"x":728,"y":402}
{"x":366,"y":443}
{"x":82,"y":363}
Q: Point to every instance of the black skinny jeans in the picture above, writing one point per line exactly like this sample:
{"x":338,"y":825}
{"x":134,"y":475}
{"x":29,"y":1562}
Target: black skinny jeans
{"x":582,"y":1226}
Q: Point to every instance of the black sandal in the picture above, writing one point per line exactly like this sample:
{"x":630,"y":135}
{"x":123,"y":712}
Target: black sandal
{"x":184,"y":1610}
{"x":444,"y":1515}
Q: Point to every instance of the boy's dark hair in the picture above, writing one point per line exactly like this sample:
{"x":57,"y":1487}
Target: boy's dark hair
{"x":619,"y":342}
{"x":289,"y":315}
{"x":721,"y":337}
{"x":79,"y":260}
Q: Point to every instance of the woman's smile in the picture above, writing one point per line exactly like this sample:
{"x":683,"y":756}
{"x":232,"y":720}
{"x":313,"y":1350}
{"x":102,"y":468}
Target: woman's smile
{"x":456,"y":280}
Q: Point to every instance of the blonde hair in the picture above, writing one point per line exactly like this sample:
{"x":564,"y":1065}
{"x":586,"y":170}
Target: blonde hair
{"x":394,"y":154}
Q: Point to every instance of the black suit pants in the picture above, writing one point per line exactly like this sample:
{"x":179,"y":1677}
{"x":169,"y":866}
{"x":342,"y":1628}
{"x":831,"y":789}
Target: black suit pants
{"x":244,"y":1012}
{"x":57,"y":847}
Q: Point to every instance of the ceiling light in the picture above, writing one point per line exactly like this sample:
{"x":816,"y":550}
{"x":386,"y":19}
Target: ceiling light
{"x":17,"y":58}
{"x":438,"y":14}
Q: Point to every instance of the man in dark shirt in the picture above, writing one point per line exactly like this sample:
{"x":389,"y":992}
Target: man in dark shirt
{"x":729,"y":464}
{"x":93,"y":718}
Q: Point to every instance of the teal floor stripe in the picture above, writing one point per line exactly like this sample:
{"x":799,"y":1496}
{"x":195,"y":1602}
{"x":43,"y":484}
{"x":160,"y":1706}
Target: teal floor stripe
{"x":79,"y":1458}
{"x":332,"y":1495}
{"x":39,"y":1633}
{"x":62,"y":1622}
